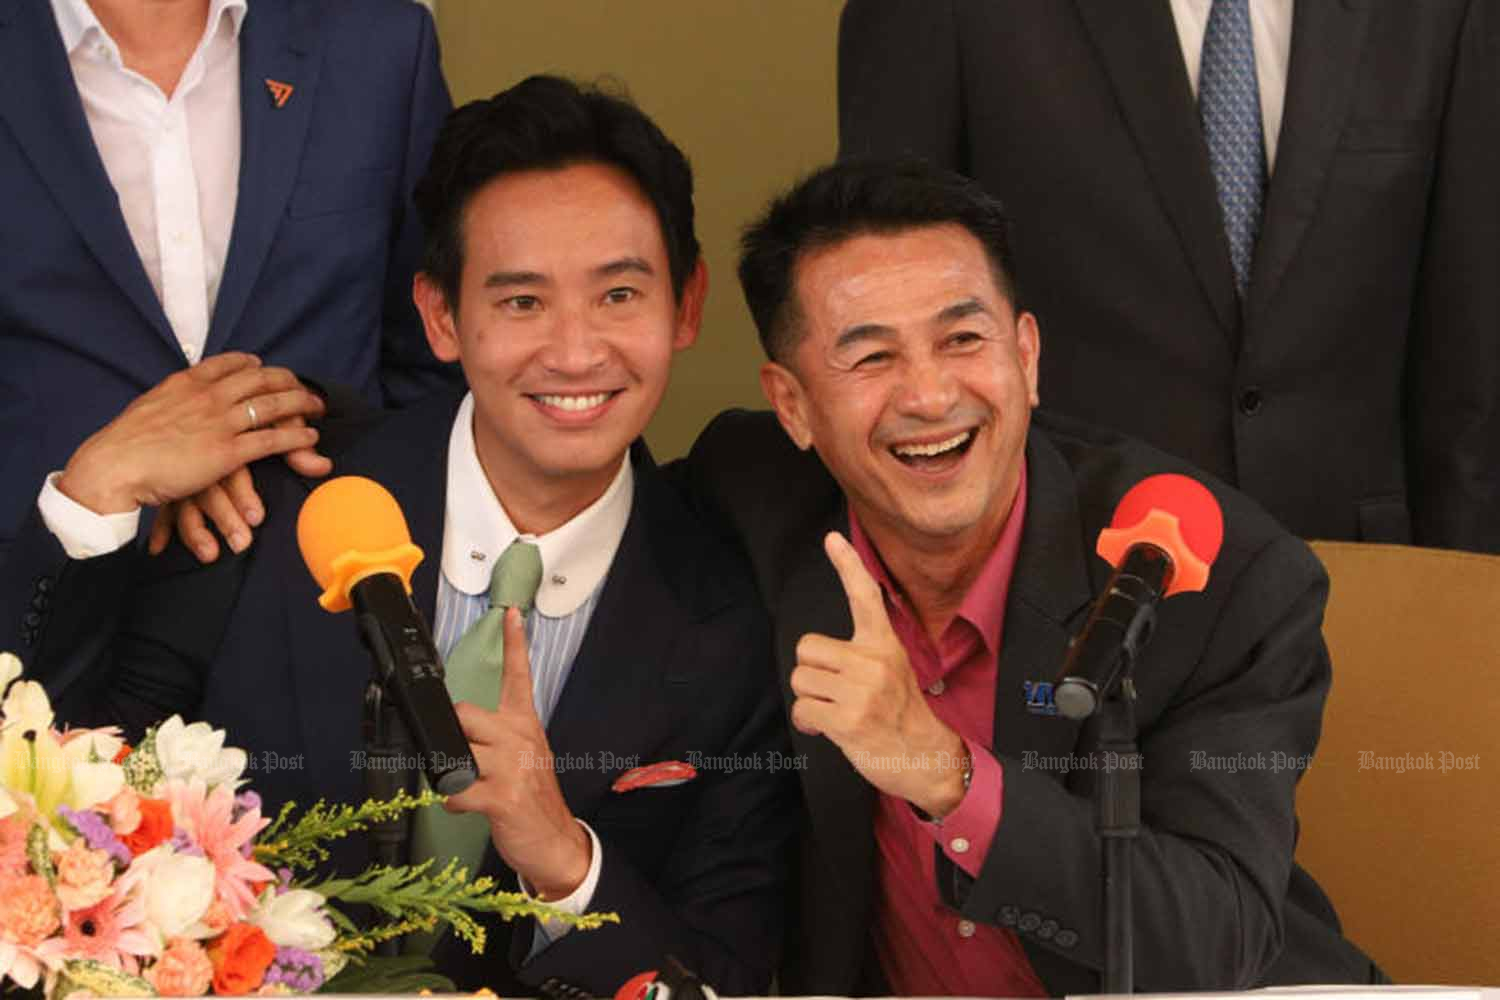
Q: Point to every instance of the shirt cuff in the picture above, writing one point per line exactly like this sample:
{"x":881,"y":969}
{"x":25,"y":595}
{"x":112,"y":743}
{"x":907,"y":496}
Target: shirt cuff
{"x":575,"y":902}
{"x":82,"y":533}
{"x":966,"y":832}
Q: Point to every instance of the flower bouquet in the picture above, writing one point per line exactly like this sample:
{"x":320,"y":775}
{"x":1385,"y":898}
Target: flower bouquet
{"x":148,"y":870}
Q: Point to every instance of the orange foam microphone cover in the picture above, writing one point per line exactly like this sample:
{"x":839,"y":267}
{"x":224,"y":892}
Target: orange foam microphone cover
{"x":1178,"y":515}
{"x":350,"y":528}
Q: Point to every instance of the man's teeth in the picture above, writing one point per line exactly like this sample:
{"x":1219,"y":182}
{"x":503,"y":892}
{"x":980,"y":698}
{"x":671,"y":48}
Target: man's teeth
{"x":575,"y":402}
{"x":935,"y":448}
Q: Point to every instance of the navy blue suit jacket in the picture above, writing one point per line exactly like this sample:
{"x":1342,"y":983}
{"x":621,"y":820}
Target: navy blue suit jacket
{"x":319,"y":267}
{"x":676,"y":662}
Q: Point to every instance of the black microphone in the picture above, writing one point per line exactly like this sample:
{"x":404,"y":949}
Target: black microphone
{"x":355,"y":542}
{"x":1164,"y":536}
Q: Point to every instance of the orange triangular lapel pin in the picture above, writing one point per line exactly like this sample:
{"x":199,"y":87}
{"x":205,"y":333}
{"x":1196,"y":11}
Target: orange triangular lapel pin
{"x":280,"y":92}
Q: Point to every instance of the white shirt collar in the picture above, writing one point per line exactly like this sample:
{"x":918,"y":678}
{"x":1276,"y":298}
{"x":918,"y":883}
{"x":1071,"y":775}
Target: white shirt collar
{"x":476,"y":529}
{"x":76,"y":21}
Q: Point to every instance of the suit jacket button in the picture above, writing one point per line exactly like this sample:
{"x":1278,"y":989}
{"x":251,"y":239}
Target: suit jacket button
{"x":1009,"y":916}
{"x":1065,"y":938}
{"x":1048,"y":928}
{"x":1029,"y":922}
{"x":1251,"y":400}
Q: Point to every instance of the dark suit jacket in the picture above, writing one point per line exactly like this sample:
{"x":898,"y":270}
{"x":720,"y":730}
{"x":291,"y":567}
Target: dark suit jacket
{"x":1240,"y":669}
{"x":675,"y":663}
{"x":1357,"y":393}
{"x":320,"y":261}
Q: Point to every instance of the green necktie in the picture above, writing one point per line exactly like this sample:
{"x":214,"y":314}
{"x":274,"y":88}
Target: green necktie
{"x":473,"y":675}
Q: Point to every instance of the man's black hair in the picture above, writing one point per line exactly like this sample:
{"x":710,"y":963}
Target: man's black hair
{"x":856,"y":198}
{"x":546,"y":123}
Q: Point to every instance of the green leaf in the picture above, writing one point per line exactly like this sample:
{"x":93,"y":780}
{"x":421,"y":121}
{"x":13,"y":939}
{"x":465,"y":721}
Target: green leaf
{"x":100,"y":980}
{"x":380,"y":974}
{"x":39,"y":855}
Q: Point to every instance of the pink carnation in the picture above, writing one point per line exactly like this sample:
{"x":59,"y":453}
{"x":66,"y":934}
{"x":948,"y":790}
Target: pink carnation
{"x":13,"y":831}
{"x":184,"y":970}
{"x":28,"y":910}
{"x":83,"y":875}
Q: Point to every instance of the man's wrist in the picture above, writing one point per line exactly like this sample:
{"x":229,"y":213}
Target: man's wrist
{"x":571,"y":872}
{"x":954,"y":772}
{"x":93,"y":490}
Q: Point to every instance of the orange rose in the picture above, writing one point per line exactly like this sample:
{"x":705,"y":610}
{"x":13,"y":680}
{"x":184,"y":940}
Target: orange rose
{"x":240,"y":956}
{"x":155,"y":827}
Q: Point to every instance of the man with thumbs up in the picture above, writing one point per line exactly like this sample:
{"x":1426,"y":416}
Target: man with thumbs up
{"x":923,"y":543}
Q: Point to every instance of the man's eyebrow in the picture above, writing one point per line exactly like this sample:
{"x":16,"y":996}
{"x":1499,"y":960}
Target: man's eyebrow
{"x":507,"y":279}
{"x":864,"y":331}
{"x":963,"y":310}
{"x":625,"y":265}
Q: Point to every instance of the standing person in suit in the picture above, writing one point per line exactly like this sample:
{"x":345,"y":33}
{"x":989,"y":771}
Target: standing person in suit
{"x":562,"y":271}
{"x":922,"y":545}
{"x":186,"y":178}
{"x":1261,"y":234}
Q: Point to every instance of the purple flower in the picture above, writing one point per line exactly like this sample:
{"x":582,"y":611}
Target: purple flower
{"x":297,"y":969}
{"x":96,"y":833}
{"x":182,"y":843}
{"x":243,"y":803}
{"x":283,"y":880}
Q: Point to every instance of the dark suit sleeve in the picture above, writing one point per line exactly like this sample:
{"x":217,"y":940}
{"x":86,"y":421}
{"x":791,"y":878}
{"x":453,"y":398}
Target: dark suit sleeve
{"x":717,"y":902}
{"x":1218,"y":783}
{"x":899,"y":81}
{"x":121,"y":639}
{"x":408,"y":371}
{"x":1453,"y":377}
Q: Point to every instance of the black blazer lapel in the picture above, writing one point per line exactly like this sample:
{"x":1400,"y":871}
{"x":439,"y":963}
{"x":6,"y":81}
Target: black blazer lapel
{"x":1140,"y":52}
{"x":408,"y":455}
{"x":1326,"y":42}
{"x":609,"y":700}
{"x":1050,"y":589}
{"x":39,"y":101}
{"x":277,"y":44}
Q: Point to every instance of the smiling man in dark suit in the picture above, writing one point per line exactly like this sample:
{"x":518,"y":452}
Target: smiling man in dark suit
{"x":563,"y":272}
{"x":186,"y":178}
{"x":1260,"y":234}
{"x":923,"y":545}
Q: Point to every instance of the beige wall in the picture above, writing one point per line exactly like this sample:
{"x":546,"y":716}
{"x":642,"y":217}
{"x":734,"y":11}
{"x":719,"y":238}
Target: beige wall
{"x":745,"y":87}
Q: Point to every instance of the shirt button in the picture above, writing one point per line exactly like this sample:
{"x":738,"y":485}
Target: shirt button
{"x":959,"y":844}
{"x":966,"y":928}
{"x":1251,"y":401}
{"x":937,"y":687}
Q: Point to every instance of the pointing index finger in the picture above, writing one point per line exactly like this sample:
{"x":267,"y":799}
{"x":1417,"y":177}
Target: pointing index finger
{"x":515,"y":671}
{"x":866,"y":603}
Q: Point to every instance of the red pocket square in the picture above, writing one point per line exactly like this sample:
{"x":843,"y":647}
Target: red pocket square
{"x":660,"y":775}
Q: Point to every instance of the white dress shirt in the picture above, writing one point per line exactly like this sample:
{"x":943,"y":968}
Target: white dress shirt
{"x":174,"y":161}
{"x":1271,"y":32}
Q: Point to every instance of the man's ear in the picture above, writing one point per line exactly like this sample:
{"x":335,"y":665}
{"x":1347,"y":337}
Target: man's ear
{"x":437,"y":317}
{"x":785,"y":394}
{"x":690,"y":307}
{"x":1029,"y":346}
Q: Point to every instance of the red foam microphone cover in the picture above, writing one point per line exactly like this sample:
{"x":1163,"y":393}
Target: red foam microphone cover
{"x":1178,"y":515}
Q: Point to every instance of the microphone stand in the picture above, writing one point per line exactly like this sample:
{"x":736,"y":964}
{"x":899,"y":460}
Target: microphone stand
{"x":1118,"y":820}
{"x":1113,"y":639}
{"x":388,"y":770}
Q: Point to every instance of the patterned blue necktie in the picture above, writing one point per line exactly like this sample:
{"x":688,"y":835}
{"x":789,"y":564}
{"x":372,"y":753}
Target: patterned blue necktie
{"x":1229,"y":106}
